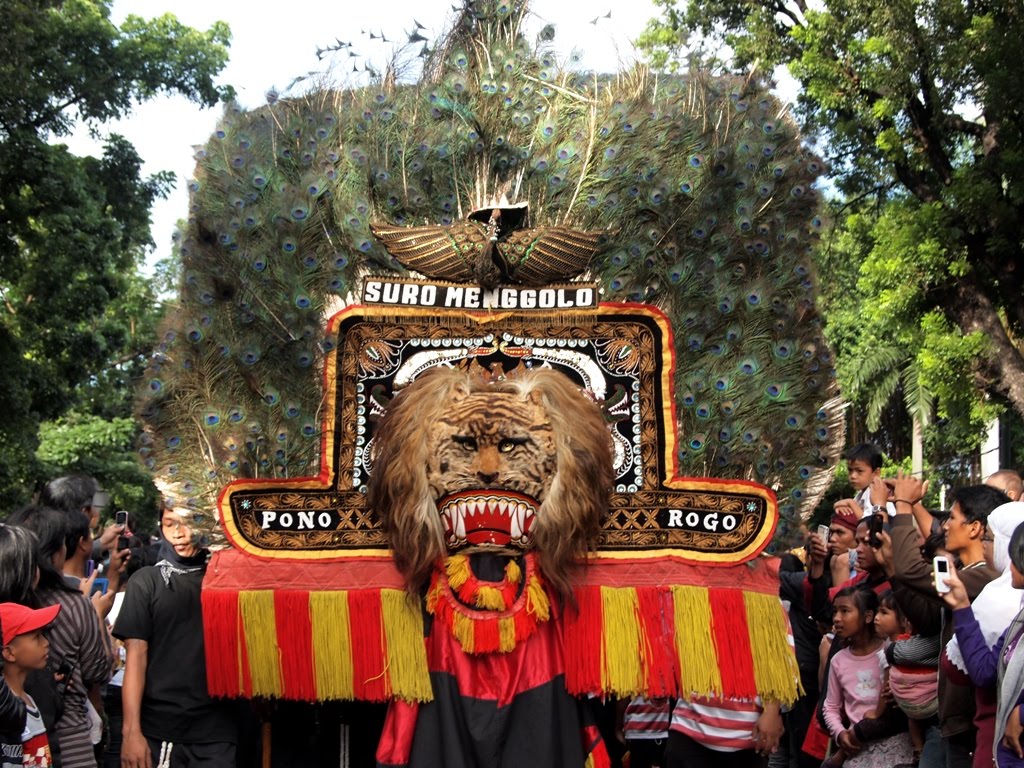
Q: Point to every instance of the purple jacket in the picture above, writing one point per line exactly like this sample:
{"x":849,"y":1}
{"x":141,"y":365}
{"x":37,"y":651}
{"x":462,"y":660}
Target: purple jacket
{"x":983,"y":666}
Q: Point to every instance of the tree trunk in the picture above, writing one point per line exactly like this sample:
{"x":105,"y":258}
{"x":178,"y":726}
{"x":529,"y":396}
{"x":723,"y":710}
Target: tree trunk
{"x":917,"y":449}
{"x":974,"y":312}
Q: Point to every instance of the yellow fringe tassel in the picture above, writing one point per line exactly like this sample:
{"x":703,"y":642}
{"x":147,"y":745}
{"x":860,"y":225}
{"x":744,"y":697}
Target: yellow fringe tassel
{"x":407,"y":655}
{"x":775,"y":668}
{"x":537,"y":600}
{"x":462,"y":628}
{"x":434,"y":594}
{"x":490,"y":599}
{"x":258,"y":622}
{"x":458,"y":570}
{"x":332,"y":645}
{"x":506,"y":634}
{"x":622,"y":672}
{"x":513,"y":572}
{"x":698,"y":663}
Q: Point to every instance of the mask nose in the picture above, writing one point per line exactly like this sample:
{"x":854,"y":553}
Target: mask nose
{"x":488,"y":465}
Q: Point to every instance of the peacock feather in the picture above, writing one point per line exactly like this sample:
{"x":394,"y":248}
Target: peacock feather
{"x":693,"y":193}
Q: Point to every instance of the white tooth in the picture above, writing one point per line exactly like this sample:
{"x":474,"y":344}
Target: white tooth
{"x":503,"y":506}
{"x":462,"y":508}
{"x":460,"y":527}
{"x":515,"y":528}
{"x":520,"y":517}
{"x":471,"y":508}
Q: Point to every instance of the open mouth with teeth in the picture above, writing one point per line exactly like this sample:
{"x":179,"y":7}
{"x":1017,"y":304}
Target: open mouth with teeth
{"x":487,"y":517}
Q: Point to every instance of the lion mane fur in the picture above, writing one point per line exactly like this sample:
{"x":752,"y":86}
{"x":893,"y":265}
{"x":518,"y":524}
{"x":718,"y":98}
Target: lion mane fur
{"x":571,"y":512}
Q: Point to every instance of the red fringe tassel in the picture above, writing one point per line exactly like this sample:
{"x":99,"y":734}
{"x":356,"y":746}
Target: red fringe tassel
{"x":485,"y":636}
{"x":295,"y":640}
{"x":657,"y":624}
{"x":732,"y":643}
{"x":583,"y":640}
{"x":369,"y":656}
{"x":221,"y":631}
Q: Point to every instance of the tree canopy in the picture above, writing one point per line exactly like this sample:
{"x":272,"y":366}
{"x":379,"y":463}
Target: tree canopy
{"x":915,"y":105}
{"x":74,"y":230}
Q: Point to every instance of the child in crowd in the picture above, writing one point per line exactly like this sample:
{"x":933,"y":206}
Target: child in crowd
{"x":855,"y":685}
{"x":863,"y":465}
{"x":911,"y":665}
{"x":645,"y":726}
{"x":25,"y":649}
{"x":12,"y":725}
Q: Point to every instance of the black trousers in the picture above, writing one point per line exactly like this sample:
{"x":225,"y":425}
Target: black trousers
{"x":645,"y":753}
{"x":684,"y":752}
{"x":216,"y":755}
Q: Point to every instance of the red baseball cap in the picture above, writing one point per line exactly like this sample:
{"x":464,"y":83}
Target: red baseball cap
{"x":18,"y":619}
{"x":846,"y":518}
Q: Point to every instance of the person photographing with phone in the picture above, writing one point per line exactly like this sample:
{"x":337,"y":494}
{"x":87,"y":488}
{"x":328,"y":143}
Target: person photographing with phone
{"x":999,"y":668}
{"x":914,"y":580}
{"x":80,"y":569}
{"x":993,"y":610}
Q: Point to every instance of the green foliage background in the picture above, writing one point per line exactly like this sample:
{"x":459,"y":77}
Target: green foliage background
{"x":76,"y":315}
{"x":912,"y":102}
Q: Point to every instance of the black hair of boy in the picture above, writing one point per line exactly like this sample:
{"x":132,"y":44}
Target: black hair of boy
{"x":78,"y":529}
{"x":977,"y":501}
{"x":866,"y":452}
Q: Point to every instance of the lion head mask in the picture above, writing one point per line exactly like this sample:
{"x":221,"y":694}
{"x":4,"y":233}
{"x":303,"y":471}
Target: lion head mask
{"x":520,"y":463}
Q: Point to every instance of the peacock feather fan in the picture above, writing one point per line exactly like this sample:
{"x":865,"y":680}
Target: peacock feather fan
{"x":701,"y":185}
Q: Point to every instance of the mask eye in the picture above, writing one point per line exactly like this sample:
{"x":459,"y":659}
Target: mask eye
{"x":467,"y":443}
{"x":507,"y":446}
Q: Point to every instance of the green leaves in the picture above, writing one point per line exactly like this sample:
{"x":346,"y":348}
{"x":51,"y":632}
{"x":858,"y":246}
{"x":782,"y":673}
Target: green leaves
{"x":102,"y":448}
{"x":74,"y":314}
{"x":84,"y":66}
{"x":917,"y":106}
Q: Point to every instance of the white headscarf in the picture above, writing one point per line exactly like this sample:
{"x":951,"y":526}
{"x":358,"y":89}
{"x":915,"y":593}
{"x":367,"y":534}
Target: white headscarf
{"x":996,"y":604}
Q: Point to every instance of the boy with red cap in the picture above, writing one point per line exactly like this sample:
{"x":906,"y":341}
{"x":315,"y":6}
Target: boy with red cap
{"x":25,"y":649}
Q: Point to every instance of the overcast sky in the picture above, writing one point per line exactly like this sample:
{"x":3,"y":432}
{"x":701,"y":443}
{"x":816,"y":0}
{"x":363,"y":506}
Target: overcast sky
{"x":274,"y":43}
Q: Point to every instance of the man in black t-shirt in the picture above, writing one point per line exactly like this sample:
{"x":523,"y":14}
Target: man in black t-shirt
{"x":169,"y":718}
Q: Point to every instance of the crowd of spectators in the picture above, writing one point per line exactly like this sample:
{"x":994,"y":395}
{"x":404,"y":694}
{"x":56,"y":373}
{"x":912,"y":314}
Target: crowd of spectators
{"x":103,"y":659}
{"x":905,"y":625}
{"x":903,"y":662}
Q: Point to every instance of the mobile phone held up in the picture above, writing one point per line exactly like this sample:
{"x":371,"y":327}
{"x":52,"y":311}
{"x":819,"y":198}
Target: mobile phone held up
{"x":99,"y":585}
{"x":823,"y":533}
{"x":121,"y":519}
{"x":63,"y":676}
{"x":940,"y":567}
{"x":876,"y":524}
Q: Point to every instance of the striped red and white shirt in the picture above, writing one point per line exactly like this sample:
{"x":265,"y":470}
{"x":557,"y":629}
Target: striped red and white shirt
{"x":724,"y":725}
{"x":647,"y":719}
